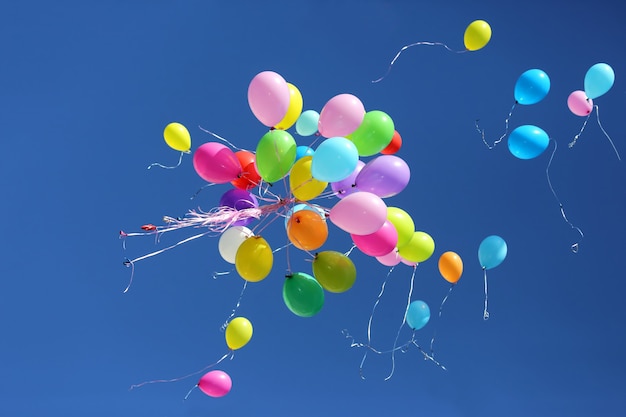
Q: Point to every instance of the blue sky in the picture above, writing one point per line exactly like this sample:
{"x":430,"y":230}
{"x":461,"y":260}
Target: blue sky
{"x":87,"y":88}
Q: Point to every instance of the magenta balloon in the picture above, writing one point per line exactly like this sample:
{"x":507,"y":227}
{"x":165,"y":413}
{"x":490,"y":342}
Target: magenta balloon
{"x":393,"y":258}
{"x":579,"y":104}
{"x":340,"y":116}
{"x":385,"y":176}
{"x":268,"y":97}
{"x":360,"y":213}
{"x":346,"y":186}
{"x":215,"y":383}
{"x":379,"y":243}
{"x":216,"y":163}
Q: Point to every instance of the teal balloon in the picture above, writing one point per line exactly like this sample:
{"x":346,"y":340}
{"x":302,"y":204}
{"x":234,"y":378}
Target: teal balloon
{"x":528,"y":142}
{"x":598,"y":80}
{"x":531,"y":87}
{"x":491,"y":252}
{"x":306,"y":125}
{"x":334,"y":160}
{"x":303,"y":295}
{"x":302,"y":151}
{"x":418,"y":314}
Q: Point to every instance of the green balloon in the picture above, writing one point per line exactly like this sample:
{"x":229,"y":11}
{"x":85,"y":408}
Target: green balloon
{"x":303,"y":295}
{"x":275,"y":154}
{"x":419,"y":248}
{"x":374,"y":133}
{"x":403,"y":223}
{"x":334,"y":271}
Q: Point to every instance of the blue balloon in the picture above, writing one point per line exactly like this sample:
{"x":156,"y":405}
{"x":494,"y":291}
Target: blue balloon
{"x":528,"y":142}
{"x":302,"y":151}
{"x":531,"y":87}
{"x":417,"y":315}
{"x":491,"y":252}
{"x":335,"y":159}
{"x":598,"y":80}
{"x":306,"y":125}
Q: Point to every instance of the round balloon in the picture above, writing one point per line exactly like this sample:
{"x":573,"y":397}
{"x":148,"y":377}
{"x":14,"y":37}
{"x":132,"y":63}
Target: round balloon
{"x":419,"y":248}
{"x":230,"y":240}
{"x":303,"y":295}
{"x":294,"y":109}
{"x":269,"y":97}
{"x":177,"y":137}
{"x":254,"y":259}
{"x":395,"y":144}
{"x":379,"y":243}
{"x":418,"y":314}
{"x":598,"y":80}
{"x":216,"y":163}
{"x":307,"y":230}
{"x":393,"y":258}
{"x":275,"y":155}
{"x":491,"y":252}
{"x":347,"y":185}
{"x":528,"y":142}
{"x":360,"y":213}
{"x":249,"y":177}
{"x":302,"y":151}
{"x":334,"y":271}
{"x":403,"y":223}
{"x":238,"y":333}
{"x":239,"y":200}
{"x":385,"y":176}
{"x":334,"y":159}
{"x":373,"y":134}
{"x":303,"y":206}
{"x":306,"y":125}
{"x":301,"y":182}
{"x":579,"y":104}
{"x":215,"y":383}
{"x":450,"y":266}
{"x":531,"y":87}
{"x":477,"y":35}
{"x":340,"y":116}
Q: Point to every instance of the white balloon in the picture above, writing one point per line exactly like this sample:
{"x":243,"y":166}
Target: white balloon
{"x":230,"y":241}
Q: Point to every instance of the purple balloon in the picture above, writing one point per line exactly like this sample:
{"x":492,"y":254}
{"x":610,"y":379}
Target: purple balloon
{"x":384,"y":176}
{"x":239,"y":200}
{"x":346,"y":186}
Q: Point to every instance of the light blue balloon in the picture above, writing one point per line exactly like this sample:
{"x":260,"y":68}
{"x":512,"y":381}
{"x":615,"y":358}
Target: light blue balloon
{"x":306,"y":125}
{"x":528,"y":142}
{"x":531,"y":87}
{"x":418,"y":314}
{"x":302,"y":151}
{"x":334,"y":159}
{"x":491,"y":252}
{"x":598,"y":80}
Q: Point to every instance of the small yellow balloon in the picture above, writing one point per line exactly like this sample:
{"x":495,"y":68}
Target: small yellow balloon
{"x":177,"y":137}
{"x":303,"y":186}
{"x":477,"y":35}
{"x":254,"y":259}
{"x":238,"y":333}
{"x":293,"y":111}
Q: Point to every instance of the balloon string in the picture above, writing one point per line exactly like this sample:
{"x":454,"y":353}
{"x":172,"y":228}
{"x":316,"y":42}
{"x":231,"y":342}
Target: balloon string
{"x":575,"y":245}
{"x":232,"y":314}
{"x":200,"y":190}
{"x":573,"y":142}
{"x":190,"y":391}
{"x":606,"y":134}
{"x":156,"y":164}
{"x":506,"y":129}
{"x":221,"y":138}
{"x":485,"y":312}
{"x":432,"y":341}
{"x":410,"y":46}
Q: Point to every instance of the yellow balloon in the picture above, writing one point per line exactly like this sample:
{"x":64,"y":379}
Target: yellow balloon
{"x":254,"y":259}
{"x":477,"y":35}
{"x":177,"y":137}
{"x":293,"y":111}
{"x":238,"y":333}
{"x":419,"y":248}
{"x":303,"y":186}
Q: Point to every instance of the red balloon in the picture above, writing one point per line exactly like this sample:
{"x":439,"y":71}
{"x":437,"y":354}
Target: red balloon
{"x":395,"y":144}
{"x":249,"y":176}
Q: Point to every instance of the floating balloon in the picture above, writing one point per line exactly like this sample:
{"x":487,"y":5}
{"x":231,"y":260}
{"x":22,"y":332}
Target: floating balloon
{"x":531,"y":87}
{"x":379,"y":243}
{"x":360,"y":213}
{"x":303,"y":295}
{"x":598,"y":80}
{"x":403,"y":223}
{"x":301,"y":182}
{"x":528,"y":142}
{"x":334,"y":271}
{"x":302,"y":151}
{"x":238,"y":333}
{"x":249,"y":177}
{"x":450,"y":266}
{"x":347,"y":185}
{"x":477,"y":35}
{"x":216,"y":163}
{"x":393,"y":258}
{"x":303,"y":206}
{"x":177,"y":137}
{"x":215,"y":383}
{"x":306,"y":125}
{"x":239,"y":200}
{"x":394,"y":146}
{"x":418,"y":249}
{"x":275,"y":154}
{"x":254,"y":259}
{"x":294,"y":109}
{"x":418,"y":314}
{"x":579,"y":104}
{"x":385,"y":176}
{"x":340,"y":116}
{"x":230,"y":240}
{"x":373,"y":134}
{"x":307,"y":230}
{"x":269,"y":97}
{"x":334,"y":160}
{"x":491,"y":252}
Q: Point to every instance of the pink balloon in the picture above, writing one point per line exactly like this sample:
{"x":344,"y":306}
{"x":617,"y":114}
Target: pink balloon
{"x":268,"y":97}
{"x":215,"y":383}
{"x":579,"y":104}
{"x":393,"y":258}
{"x":360,"y":213}
{"x":385,"y":176}
{"x":346,"y":186}
{"x":216,"y":163}
{"x":340,"y":116}
{"x":379,"y":243}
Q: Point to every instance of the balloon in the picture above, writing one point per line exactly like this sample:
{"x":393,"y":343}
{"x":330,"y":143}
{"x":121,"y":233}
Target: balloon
{"x":334,"y":271}
{"x":238,"y":333}
{"x":239,"y":200}
{"x":230,"y":240}
{"x":419,"y":248}
{"x":215,"y":383}
{"x":418,"y":314}
{"x":395,"y":144}
{"x":373,"y":134}
{"x":294,"y":109}
{"x":254,"y":259}
{"x":346,"y":186}
{"x":302,"y":184}
{"x":491,"y":252}
{"x":216,"y":163}
{"x":275,"y":154}
{"x":450,"y":267}
{"x":598,"y":80}
{"x":303,"y":206}
{"x":403,"y":223}
{"x":269,"y":97}
{"x":249,"y":177}
{"x":340,"y":116}
{"x":393,"y":258}
{"x":360,"y":213}
{"x":385,"y":176}
{"x":302,"y":151}
{"x":303,"y":295}
{"x":177,"y":137}
{"x":528,"y":142}
{"x":379,"y":243}
{"x":579,"y":104}
{"x":334,"y":159}
{"x":307,"y":230}
{"x":531,"y":87}
{"x":307,"y":123}
{"x":477,"y":35}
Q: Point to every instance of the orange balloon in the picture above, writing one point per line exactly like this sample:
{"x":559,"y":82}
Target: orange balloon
{"x":451,"y":267}
{"x":307,"y":230}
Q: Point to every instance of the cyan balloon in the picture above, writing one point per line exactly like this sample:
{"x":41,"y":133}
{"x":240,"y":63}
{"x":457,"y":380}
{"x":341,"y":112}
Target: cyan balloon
{"x":492,"y":251}
{"x":302,"y":151}
{"x":528,"y":142}
{"x":335,"y":159}
{"x":418,"y":314}
{"x":306,"y":125}
{"x":531,"y":87}
{"x":598,"y":80}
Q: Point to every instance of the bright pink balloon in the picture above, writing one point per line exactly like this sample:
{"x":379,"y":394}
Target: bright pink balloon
{"x":393,"y":258}
{"x":340,"y":116}
{"x":216,"y":163}
{"x":360,"y":213}
{"x":215,"y":383}
{"x":579,"y":104}
{"x":379,"y":243}
{"x":268,"y":97}
{"x":385,"y":176}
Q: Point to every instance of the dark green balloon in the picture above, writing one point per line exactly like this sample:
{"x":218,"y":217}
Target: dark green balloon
{"x":303,"y":295}
{"x":334,"y":271}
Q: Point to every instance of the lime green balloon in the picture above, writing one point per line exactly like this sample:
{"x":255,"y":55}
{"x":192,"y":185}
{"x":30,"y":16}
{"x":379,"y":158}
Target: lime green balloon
{"x":303,"y":295}
{"x":334,"y":271}
{"x":403,"y":223}
{"x":275,"y":154}
{"x":419,"y":248}
{"x":374,"y":133}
